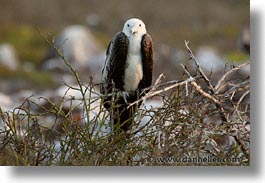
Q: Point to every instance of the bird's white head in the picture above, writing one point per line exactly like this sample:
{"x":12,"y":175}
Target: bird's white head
{"x":134,"y":27}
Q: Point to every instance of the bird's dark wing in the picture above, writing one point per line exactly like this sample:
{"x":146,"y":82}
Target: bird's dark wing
{"x":147,"y":61}
{"x":114,"y":68}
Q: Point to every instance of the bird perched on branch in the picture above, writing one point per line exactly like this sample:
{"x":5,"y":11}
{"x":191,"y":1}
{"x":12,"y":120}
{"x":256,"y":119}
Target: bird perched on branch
{"x":127,"y":71}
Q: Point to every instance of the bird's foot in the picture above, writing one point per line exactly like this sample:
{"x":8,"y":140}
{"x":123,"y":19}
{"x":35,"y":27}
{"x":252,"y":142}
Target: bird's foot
{"x":124,"y":95}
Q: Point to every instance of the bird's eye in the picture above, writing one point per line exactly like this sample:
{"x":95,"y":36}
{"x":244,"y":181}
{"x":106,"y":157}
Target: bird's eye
{"x":140,"y":25}
{"x":128,"y":25}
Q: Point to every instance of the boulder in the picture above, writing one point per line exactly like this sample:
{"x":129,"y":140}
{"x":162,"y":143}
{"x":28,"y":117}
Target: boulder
{"x":209,"y":59}
{"x":6,"y":102}
{"x":78,"y":46}
{"x":8,"y":56}
{"x":244,"y":39}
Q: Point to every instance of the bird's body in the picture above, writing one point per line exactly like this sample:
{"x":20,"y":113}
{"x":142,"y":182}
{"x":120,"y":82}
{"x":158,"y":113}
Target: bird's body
{"x":134,"y":70}
{"x":128,"y":70}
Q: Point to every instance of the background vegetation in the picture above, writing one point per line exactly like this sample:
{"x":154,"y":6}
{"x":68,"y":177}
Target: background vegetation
{"x":208,"y":22}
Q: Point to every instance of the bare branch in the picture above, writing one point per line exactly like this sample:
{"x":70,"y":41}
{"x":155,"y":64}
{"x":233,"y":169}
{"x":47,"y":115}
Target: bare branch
{"x":199,"y":67}
{"x":236,"y":87}
{"x":203,"y":93}
{"x":199,"y":89}
{"x":241,"y":99}
{"x":218,"y":86}
{"x":152,"y":93}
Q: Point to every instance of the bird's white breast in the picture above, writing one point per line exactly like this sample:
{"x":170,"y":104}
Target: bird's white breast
{"x":134,"y":70}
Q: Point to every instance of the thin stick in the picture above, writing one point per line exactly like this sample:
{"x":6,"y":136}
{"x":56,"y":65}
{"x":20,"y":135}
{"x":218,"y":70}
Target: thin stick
{"x":199,"y":89}
{"x":241,"y":99}
{"x":236,"y":87}
{"x":152,"y":93}
{"x":217,"y":87}
{"x":199,"y":67}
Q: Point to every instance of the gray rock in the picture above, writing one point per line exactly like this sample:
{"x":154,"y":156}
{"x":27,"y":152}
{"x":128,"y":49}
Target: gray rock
{"x":78,"y":46}
{"x":6,"y":102}
{"x":92,"y":20}
{"x":209,"y":60}
{"x":244,"y":40}
{"x":8,"y":56}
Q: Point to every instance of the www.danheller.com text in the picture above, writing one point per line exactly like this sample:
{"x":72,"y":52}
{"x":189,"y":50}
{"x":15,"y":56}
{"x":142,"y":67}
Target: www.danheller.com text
{"x":207,"y":159}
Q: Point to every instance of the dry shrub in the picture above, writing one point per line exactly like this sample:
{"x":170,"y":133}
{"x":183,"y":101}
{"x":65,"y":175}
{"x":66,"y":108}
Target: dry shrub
{"x":195,"y":123}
